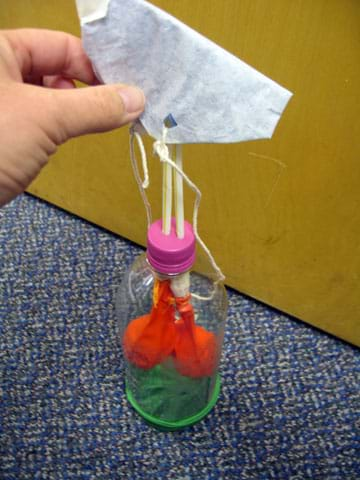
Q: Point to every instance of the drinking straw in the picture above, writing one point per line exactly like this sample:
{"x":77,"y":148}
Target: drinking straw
{"x":167,"y":196}
{"x":179,"y":194}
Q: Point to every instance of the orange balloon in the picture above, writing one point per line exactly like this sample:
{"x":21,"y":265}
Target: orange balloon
{"x":148,"y":340}
{"x":195,"y":347}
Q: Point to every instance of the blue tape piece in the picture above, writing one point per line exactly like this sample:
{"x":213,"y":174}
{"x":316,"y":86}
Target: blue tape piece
{"x":170,"y":121}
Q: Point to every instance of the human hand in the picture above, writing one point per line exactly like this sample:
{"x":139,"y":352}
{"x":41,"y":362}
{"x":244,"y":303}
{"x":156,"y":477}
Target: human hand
{"x":35,"y":120}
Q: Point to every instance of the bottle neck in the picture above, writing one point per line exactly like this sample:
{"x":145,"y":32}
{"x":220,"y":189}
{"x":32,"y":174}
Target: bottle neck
{"x":179,"y":283}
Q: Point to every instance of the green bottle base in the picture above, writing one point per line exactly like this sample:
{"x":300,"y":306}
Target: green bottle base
{"x":180,"y":424}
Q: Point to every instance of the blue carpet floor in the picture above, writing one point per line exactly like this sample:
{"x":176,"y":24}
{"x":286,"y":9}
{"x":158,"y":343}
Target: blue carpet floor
{"x":289,"y":407}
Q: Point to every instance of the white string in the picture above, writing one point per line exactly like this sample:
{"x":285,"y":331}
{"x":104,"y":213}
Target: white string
{"x":142,"y":184}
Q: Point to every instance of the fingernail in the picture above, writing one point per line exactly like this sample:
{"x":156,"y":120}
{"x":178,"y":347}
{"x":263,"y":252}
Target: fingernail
{"x":133,"y":98}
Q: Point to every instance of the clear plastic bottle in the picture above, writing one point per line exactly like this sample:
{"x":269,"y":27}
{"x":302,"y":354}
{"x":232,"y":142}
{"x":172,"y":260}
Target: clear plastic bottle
{"x":171,"y":328}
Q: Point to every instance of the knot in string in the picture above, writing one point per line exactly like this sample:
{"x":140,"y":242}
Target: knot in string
{"x":161,"y":150}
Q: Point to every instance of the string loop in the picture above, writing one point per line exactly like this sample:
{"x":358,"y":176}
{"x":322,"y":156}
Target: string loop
{"x":142,"y":184}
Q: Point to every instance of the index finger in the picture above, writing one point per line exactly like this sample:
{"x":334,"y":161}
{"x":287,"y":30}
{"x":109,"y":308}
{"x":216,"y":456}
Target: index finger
{"x":47,"y":52}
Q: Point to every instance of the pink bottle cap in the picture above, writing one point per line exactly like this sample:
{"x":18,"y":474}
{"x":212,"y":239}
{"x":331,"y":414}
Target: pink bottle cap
{"x":169,"y":254}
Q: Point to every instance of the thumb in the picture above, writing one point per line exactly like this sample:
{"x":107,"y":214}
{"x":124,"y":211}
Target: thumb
{"x":95,"y":109}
